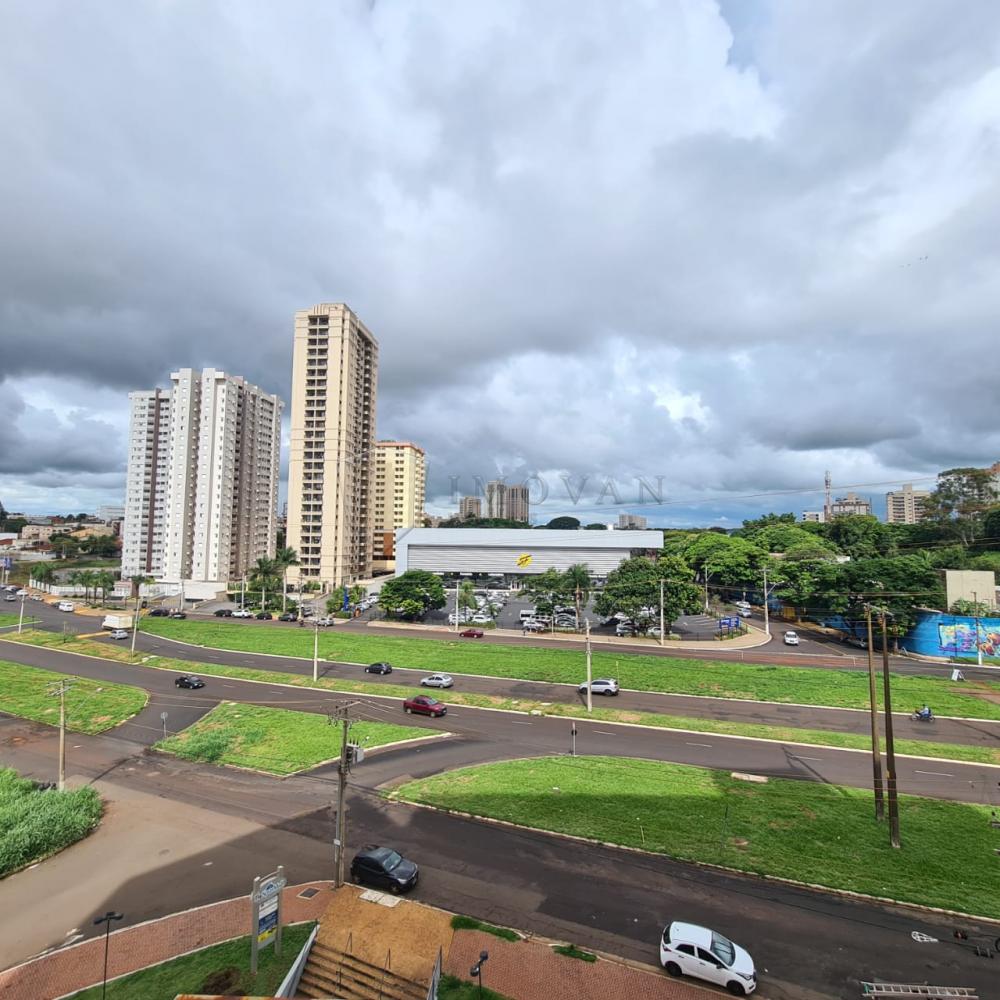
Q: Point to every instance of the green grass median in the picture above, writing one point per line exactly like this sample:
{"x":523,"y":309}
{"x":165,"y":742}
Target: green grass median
{"x":35,"y":824}
{"x":332,"y":682}
{"x":222,"y":968}
{"x":13,"y":619}
{"x":754,"y":682}
{"x":276,"y":740}
{"x":91,"y":706}
{"x":807,"y":831}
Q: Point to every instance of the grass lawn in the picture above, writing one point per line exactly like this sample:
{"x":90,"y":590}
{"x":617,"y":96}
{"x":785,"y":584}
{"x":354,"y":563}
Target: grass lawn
{"x":809,"y":831}
{"x":460,"y":923}
{"x":35,"y":824}
{"x":91,"y":706}
{"x":814,"y":737}
{"x":276,"y":740}
{"x":222,"y":968}
{"x":452,"y":988}
{"x":755,"y":682}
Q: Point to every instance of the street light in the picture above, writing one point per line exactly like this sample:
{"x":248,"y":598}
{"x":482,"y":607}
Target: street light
{"x":477,"y":970}
{"x":107,"y":920}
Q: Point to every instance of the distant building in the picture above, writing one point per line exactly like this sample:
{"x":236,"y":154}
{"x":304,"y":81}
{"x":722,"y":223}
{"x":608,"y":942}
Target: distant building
{"x":41,"y":532}
{"x":109,"y":514}
{"x":36,"y":519}
{"x":977,"y":586}
{"x":631,"y":522}
{"x":815,"y":516}
{"x":202,"y":483}
{"x":507,"y":502}
{"x":850,"y":504}
{"x":398,"y":501}
{"x":469,"y":507}
{"x":905,"y":506}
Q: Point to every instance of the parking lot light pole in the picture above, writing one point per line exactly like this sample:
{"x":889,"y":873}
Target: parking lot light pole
{"x":135,"y":627}
{"x":477,"y":970}
{"x":107,"y":920}
{"x":661,"y":614}
{"x":590,"y":694}
{"x":20,"y":617}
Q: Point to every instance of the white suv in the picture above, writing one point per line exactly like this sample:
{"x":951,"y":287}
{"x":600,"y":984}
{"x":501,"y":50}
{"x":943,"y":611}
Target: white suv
{"x":66,"y":606}
{"x":791,"y":639}
{"x":690,"y":950}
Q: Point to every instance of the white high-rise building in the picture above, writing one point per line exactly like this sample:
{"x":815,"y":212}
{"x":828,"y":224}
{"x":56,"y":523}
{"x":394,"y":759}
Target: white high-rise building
{"x":202,"y":486}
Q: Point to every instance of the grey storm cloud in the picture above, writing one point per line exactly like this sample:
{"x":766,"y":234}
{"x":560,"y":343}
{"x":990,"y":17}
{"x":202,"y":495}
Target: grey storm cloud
{"x":732,"y":245}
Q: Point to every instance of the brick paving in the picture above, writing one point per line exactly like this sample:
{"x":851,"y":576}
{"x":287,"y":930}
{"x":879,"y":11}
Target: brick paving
{"x":531,"y":970}
{"x":78,"y":966}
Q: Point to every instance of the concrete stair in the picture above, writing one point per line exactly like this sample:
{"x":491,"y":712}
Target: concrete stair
{"x":331,"y":973}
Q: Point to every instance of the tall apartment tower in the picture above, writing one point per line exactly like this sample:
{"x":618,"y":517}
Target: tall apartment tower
{"x":906,"y":505}
{"x":202,"y":486}
{"x":400,"y":485}
{"x":331,"y":463}
{"x":469,"y":507}
{"x":516,"y":503}
{"x":496,"y":498}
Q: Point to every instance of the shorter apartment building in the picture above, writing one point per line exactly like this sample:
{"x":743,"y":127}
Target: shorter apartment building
{"x":631,"y":522}
{"x":470,"y":507}
{"x":398,"y":501}
{"x":906,"y":505}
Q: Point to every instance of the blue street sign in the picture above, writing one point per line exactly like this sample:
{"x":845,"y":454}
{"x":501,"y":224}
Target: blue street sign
{"x":347,"y":599}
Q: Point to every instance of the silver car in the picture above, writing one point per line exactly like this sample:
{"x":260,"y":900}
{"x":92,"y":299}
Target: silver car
{"x":437,"y":681}
{"x":603,"y":685}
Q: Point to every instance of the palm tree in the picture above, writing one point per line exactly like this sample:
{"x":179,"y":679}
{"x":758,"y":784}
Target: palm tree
{"x":466,"y":595}
{"x":105,"y":581}
{"x":578,"y":580}
{"x":265,"y":576}
{"x":284,"y":558}
{"x":137,"y":581}
{"x":43,"y":573}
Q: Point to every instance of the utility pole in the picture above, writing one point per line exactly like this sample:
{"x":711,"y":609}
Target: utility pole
{"x":590,"y":694}
{"x":315,"y":650}
{"x":342,"y":714}
{"x":60,"y":689}
{"x":243,"y":591}
{"x":135,"y":626}
{"x":873,"y":703}
{"x":767,"y":620}
{"x":20,"y":617}
{"x":455,"y":629}
{"x":975,"y":611}
{"x":890,"y":750}
{"x":662,"y":630}
{"x":704,"y":570}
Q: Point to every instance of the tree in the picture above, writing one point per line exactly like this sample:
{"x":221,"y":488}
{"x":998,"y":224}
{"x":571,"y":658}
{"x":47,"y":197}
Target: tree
{"x":634,"y":588}
{"x":412,"y":595}
{"x":43,"y":572}
{"x":563,"y":523}
{"x":483,"y":522}
{"x":733,"y":562}
{"x":466,"y":598}
{"x":861,"y":536}
{"x":104,"y":581}
{"x":781,"y":536}
{"x":266,"y":576}
{"x":137,"y":581}
{"x":285,"y":558}
{"x":547,"y":590}
{"x":577,"y":579}
{"x":595,"y":526}
{"x":960,"y":501}
{"x":754,"y":525}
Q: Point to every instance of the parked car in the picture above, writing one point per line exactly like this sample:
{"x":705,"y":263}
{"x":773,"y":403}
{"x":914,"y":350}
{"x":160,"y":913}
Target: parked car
{"x":119,"y":633}
{"x":472,"y":633}
{"x":624,"y":628}
{"x":21,"y":593}
{"x":189,"y":681}
{"x":437,"y":681}
{"x":385,"y":868}
{"x":9,"y":597}
{"x":690,"y":950}
{"x":791,"y":639}
{"x":742,"y":604}
{"x":177,"y":614}
{"x":242,"y":613}
{"x":378,"y":668}
{"x":263,"y":616}
{"x":224,"y":613}
{"x":531,"y":626}
{"x":423,"y":704}
{"x":326,"y":621}
{"x":288,"y":616}
{"x":66,"y":606}
{"x":602,"y":685}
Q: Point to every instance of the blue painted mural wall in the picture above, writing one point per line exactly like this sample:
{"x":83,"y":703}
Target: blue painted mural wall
{"x":953,"y":636}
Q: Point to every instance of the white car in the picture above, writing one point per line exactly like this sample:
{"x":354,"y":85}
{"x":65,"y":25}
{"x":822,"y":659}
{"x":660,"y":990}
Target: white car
{"x":437,"y":681}
{"x":531,"y":626}
{"x":603,"y":685}
{"x":325,"y":622}
{"x":66,"y":606}
{"x":690,"y":950}
{"x":242,"y":613}
{"x":791,"y":639}
{"x":742,"y":604}
{"x":118,"y":633}
{"x":22,"y":593}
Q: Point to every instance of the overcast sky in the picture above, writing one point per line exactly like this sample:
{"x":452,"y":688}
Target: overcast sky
{"x":728,"y":245}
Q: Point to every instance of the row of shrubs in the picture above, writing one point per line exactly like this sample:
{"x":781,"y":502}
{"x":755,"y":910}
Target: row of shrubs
{"x":36,"y":823}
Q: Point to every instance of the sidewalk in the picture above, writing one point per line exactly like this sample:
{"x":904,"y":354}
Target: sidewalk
{"x":531,"y":970}
{"x":132,"y":948}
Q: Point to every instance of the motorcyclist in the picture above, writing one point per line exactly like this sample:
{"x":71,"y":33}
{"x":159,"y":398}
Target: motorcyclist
{"x":925,"y":714}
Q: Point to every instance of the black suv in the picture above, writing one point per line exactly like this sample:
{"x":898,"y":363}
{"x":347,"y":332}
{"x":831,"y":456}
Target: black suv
{"x":384,"y":868}
{"x":224,"y":613}
{"x":378,"y":668}
{"x":159,"y":613}
{"x":189,"y":681}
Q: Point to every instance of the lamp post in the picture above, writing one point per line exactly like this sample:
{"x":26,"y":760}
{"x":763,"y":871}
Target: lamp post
{"x":477,"y":970}
{"x":975,"y":611}
{"x":107,"y":920}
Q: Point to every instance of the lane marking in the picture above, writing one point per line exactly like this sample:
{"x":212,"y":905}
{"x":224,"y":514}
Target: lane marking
{"x":709,"y":745}
{"x":798,"y":756}
{"x":515,"y":722}
{"x":604,"y":732}
{"x":940,"y":774}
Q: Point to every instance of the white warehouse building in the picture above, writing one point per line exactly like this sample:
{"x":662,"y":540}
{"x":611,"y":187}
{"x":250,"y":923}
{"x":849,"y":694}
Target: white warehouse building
{"x":513,"y":553}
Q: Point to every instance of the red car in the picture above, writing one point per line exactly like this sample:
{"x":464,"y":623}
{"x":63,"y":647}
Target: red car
{"x":472,"y":633}
{"x":424,"y":705}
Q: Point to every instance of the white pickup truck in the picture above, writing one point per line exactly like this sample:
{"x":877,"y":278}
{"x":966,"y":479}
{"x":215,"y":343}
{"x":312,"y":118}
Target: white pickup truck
{"x":117,"y":621}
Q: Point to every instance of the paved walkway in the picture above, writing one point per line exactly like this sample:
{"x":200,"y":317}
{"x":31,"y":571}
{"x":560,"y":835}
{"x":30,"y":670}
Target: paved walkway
{"x":531,"y":970}
{"x":132,"y":948}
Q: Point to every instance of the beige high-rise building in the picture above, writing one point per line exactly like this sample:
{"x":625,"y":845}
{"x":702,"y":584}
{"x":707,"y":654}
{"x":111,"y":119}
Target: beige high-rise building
{"x":469,"y":507}
{"x":331,"y":468}
{"x":516,"y":503}
{"x":905,"y":506}
{"x":400,"y":485}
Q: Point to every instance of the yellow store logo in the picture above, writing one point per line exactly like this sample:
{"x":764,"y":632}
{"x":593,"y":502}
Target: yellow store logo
{"x":523,"y":560}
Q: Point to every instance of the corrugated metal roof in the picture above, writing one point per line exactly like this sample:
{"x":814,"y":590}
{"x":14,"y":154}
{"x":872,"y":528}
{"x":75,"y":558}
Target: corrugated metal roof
{"x":527,"y":537}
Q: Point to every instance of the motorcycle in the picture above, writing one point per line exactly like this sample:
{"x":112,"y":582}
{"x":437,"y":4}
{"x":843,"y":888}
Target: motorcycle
{"x":919,"y":716}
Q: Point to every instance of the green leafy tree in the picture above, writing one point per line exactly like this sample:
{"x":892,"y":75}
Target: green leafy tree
{"x":466,"y":598}
{"x":284,"y":560}
{"x":635,"y":586}
{"x":43,"y":572}
{"x":960,"y":502}
{"x":595,"y":526}
{"x":861,"y":536}
{"x":577,"y":580}
{"x":564,"y":523}
{"x":483,"y":522}
{"x":104,"y":582}
{"x":412,"y":595}
{"x":725,"y":560}
{"x":547,"y":590}
{"x":754,"y":526}
{"x":781,"y":537}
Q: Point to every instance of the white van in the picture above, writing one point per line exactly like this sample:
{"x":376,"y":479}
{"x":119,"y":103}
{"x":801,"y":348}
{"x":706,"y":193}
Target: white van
{"x":527,"y":614}
{"x":66,"y":606}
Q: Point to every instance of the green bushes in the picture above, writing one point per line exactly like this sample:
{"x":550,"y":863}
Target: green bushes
{"x":35,"y":824}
